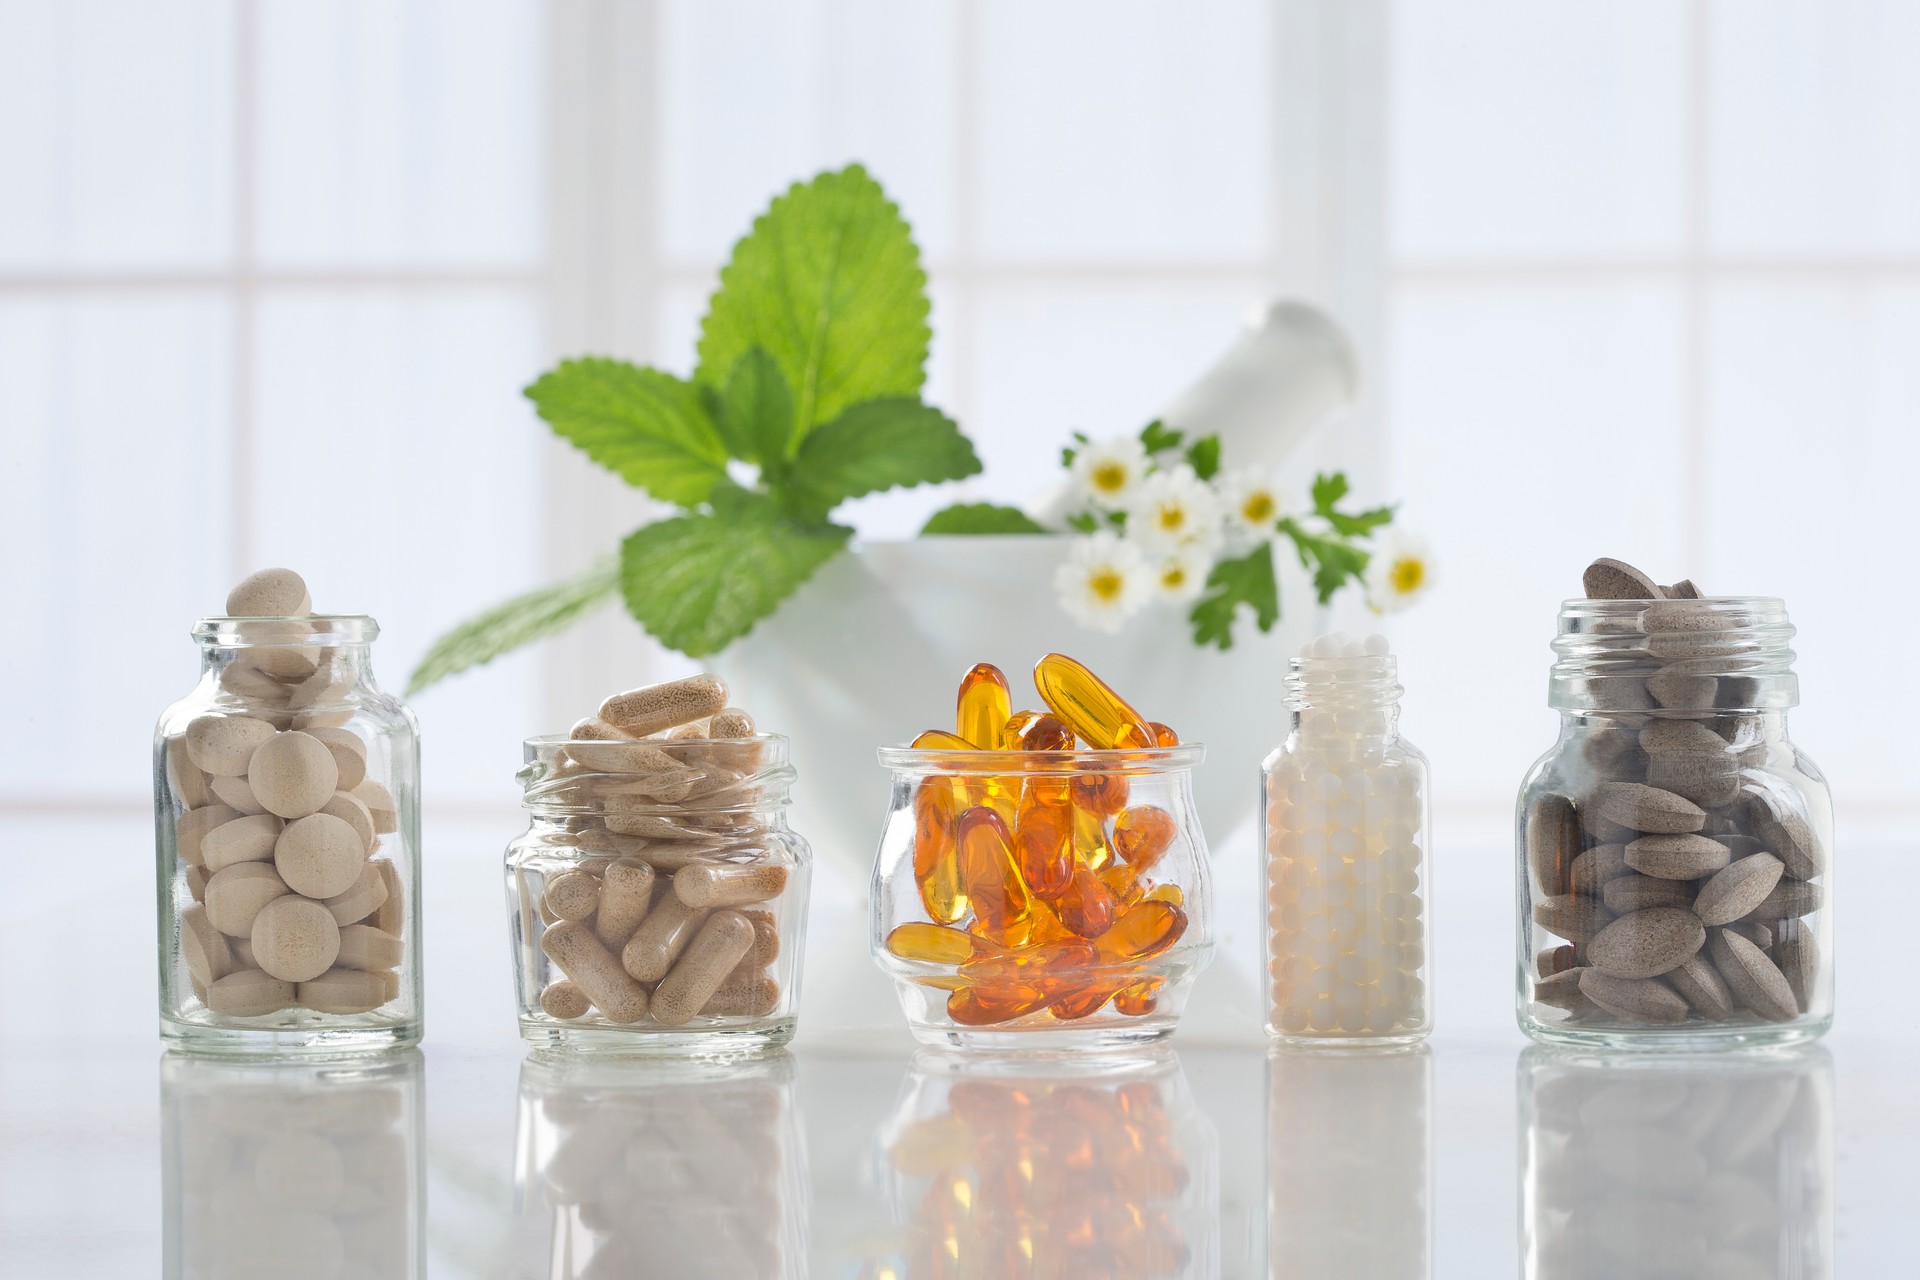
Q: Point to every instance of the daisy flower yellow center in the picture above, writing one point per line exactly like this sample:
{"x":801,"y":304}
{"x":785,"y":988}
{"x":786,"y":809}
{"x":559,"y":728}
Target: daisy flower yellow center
{"x":1171,"y":517}
{"x":1106,"y":584}
{"x":1174,"y":577}
{"x":1259,"y":508}
{"x":1109,"y":477}
{"x":1407,"y":575}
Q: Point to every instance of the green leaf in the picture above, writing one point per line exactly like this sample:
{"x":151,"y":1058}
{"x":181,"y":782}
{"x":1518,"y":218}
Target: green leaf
{"x":650,"y":428}
{"x":1158,"y":437}
{"x":877,"y":445}
{"x":1333,"y":560}
{"x":1069,"y":452}
{"x":700,"y":582}
{"x":1203,"y":455}
{"x":980,"y":517}
{"x":1084,"y":522}
{"x":829,"y":283}
{"x":1233,"y":582}
{"x":516,"y":622}
{"x":754,"y":412}
{"x":1327,"y":492}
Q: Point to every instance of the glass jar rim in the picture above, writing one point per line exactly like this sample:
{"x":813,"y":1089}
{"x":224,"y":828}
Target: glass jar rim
{"x":320,"y":630}
{"x":558,"y":740}
{"x":1145,"y":760}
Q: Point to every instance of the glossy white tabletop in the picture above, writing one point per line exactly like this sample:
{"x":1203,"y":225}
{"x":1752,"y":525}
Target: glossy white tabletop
{"x":1477,"y":1157}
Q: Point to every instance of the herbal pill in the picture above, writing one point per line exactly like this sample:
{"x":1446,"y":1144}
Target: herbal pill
{"x":573,"y":895}
{"x":1635,"y":999}
{"x":754,"y":997}
{"x":348,"y":751}
{"x":364,"y":947}
{"x":223,"y":745}
{"x":1645,"y":944}
{"x":354,"y":814}
{"x":1737,"y":889}
{"x":1642,"y":808}
{"x":185,"y":777}
{"x":380,"y":803}
{"x":578,"y":954}
{"x":732,"y":723}
{"x":236,"y":895}
{"x":391,"y":914}
{"x":1798,"y":955}
{"x":295,"y":939}
{"x":594,"y":729}
{"x":1701,"y":986}
{"x":626,"y":756}
{"x":564,"y":1000}
{"x":343,"y":991}
{"x":1753,"y":979}
{"x":1677,"y":857}
{"x":766,"y":937}
{"x":1553,"y":843}
{"x":729,"y":884}
{"x":270,"y":593}
{"x":659,"y":940}
{"x":362,"y":898}
{"x":626,"y":894}
{"x":293,"y":774}
{"x":1574,"y":918}
{"x":248,"y":839}
{"x":721,"y":943}
{"x":1590,"y":871}
{"x":1635,"y":892}
{"x":191,"y":828}
{"x":319,"y":856}
{"x":1606,"y":579}
{"x":234,"y":792}
{"x":1098,"y":715}
{"x":248,"y":993}
{"x":203,"y":947}
{"x":663,"y":706}
{"x":196,"y":878}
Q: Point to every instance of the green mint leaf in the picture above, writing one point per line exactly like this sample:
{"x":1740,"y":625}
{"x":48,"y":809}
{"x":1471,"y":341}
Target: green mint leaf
{"x":1328,"y":490}
{"x":754,"y":412}
{"x":650,"y":428}
{"x":1361,"y":524}
{"x":880,"y":444}
{"x":1069,"y":452}
{"x":516,"y":622}
{"x":980,"y":517}
{"x":1334,"y":561}
{"x":829,"y":283}
{"x":1233,"y":582}
{"x":1203,"y":455}
{"x":697,"y":583}
{"x":1084,"y":522}
{"x":1158,"y":437}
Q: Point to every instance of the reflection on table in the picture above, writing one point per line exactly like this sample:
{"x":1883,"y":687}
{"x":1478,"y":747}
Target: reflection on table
{"x":292,"y":1171}
{"x":1349,"y":1164}
{"x":686,"y":1169}
{"x":1049,"y":1167}
{"x":1638,"y":1166}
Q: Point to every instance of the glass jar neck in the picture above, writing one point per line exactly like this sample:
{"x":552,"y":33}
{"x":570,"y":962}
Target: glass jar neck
{"x":673,"y":779}
{"x":1722,"y":654}
{"x":301,"y":661}
{"x":1344,"y":697}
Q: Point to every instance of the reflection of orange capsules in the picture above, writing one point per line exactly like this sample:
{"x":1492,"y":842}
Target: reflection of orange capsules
{"x":1104,"y":794}
{"x":1142,"y":834}
{"x":980,"y":1006}
{"x":1038,"y":731}
{"x":1101,"y":717}
{"x":1086,"y":907}
{"x":937,"y":944}
{"x":936,"y":863}
{"x":1162,"y":735}
{"x":983,"y":707}
{"x":1043,"y":838}
{"x":1143,"y":930}
{"x":987,"y":871}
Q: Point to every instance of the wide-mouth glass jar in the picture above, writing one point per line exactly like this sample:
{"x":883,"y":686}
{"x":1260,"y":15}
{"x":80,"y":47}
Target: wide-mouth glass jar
{"x":287,"y":828}
{"x":1674,"y":847}
{"x":1042,"y":899}
{"x":657,"y":900}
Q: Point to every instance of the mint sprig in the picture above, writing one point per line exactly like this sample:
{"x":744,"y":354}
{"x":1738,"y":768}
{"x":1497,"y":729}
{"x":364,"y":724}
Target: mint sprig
{"x":516,"y":622}
{"x":980,"y":517}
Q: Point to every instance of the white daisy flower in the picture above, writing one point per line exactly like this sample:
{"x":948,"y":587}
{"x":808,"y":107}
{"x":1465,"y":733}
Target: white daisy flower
{"x":1108,"y":471}
{"x":1172,"y":510}
{"x":1104,"y":582}
{"x":1181,"y":577}
{"x":1251,"y":503}
{"x":1400,"y":571}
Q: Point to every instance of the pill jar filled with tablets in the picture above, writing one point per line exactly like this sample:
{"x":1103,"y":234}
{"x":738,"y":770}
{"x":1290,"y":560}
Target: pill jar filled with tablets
{"x":1674,"y":847}
{"x":1038,"y":892}
{"x":287,"y":827}
{"x":1345,"y":805}
{"x":658,"y":899}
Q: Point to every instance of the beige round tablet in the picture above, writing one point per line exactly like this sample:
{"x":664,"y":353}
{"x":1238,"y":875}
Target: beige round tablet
{"x":391,"y":914}
{"x":236,"y":895}
{"x":249,"y":993}
{"x":248,"y":839}
{"x":186,"y":779}
{"x":292,"y":774}
{"x":234,"y":792}
{"x":222,"y":745}
{"x":295,"y":939}
{"x":380,"y":803}
{"x":203,"y":947}
{"x":344,"y":991}
{"x":364,"y":947}
{"x":270,"y":593}
{"x":191,"y":828}
{"x":319,"y":855}
{"x":353,"y":813}
{"x":363,"y":897}
{"x":349,"y":754}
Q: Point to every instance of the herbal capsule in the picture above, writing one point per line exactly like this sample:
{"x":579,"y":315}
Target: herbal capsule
{"x":1038,"y":731}
{"x":1143,"y":834}
{"x":936,"y":944}
{"x":578,"y":954}
{"x":987,"y":870}
{"x":984,"y":1006}
{"x":1094,"y":711}
{"x":983,"y":708}
{"x":1143,"y":930}
{"x":1086,"y":907}
{"x":729,"y":884}
{"x":625,"y":898}
{"x":936,"y":859}
{"x":660,"y":939}
{"x":722,"y":942}
{"x":665,"y":706}
{"x":1043,"y":838}
{"x":1162,"y":735}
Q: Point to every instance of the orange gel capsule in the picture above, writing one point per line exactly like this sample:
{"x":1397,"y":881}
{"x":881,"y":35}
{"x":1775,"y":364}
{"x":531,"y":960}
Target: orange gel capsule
{"x":1067,"y":959}
{"x":1086,"y":907}
{"x":1137,"y":999}
{"x":987,"y":872}
{"x":1123,"y":882}
{"x":937,"y":944}
{"x":1090,"y":843}
{"x":1101,"y":793}
{"x":1143,"y":930}
{"x":1038,"y":731}
{"x":1082,"y":1000}
{"x":936,"y":861}
{"x":941,"y":740}
{"x":1168,"y":893}
{"x":1043,"y":838}
{"x":983,"y":708}
{"x":982,"y":1006}
{"x":1162,"y":735}
{"x":1093,"y":711}
{"x":1143,"y":834}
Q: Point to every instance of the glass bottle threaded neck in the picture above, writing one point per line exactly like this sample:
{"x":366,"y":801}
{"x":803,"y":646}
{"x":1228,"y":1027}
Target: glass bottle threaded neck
{"x":1726,"y":653}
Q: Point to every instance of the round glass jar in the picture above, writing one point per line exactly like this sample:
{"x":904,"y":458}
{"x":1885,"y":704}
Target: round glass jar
{"x":1674,"y":846}
{"x":287,"y":829}
{"x":1346,"y":807}
{"x":1040,"y":899}
{"x":657,"y":901}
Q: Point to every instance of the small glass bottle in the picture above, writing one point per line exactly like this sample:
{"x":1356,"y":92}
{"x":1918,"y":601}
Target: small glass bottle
{"x":1345,"y":804}
{"x":287,"y":825}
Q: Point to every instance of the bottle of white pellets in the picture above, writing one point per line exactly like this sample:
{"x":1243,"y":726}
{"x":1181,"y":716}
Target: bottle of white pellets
{"x":1344,"y":800}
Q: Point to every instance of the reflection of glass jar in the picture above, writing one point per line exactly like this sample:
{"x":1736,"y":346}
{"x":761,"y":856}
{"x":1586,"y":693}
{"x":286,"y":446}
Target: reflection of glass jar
{"x":1051,"y":1167}
{"x":1674,"y":847}
{"x":1641,"y":1166}
{"x":1039,"y":898}
{"x":690,"y":1168}
{"x":658,"y":899}
{"x":294,"y":1171}
{"x":1349,"y":1163}
{"x":286,"y":811}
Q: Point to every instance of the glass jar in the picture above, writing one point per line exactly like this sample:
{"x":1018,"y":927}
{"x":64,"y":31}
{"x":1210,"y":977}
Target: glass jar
{"x":657,"y":901}
{"x":287,"y":824}
{"x":682,"y":1168}
{"x":294,"y":1169}
{"x":1050,"y":1166}
{"x":1676,"y":1166}
{"x":1035,"y":899}
{"x":1674,"y":847}
{"x":1346,"y":807}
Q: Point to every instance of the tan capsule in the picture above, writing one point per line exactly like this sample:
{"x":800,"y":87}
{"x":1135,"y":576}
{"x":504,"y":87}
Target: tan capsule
{"x":295,"y":939}
{"x":564,"y":1000}
{"x":578,"y":954}
{"x":236,"y":895}
{"x":660,"y":939}
{"x":593,"y":729}
{"x":626,"y":894}
{"x":248,"y":839}
{"x":203,"y":947}
{"x":348,"y":751}
{"x":766,"y":936}
{"x":663,"y":706}
{"x":223,"y":745}
{"x":364,"y":947}
{"x":722,"y":942}
{"x":729,"y":884}
{"x":319,"y":856}
{"x":625,"y":756}
{"x":573,"y":895}
{"x":754,"y":997}
{"x":292,"y":774}
{"x":344,"y":991}
{"x":270,"y":593}
{"x":248,"y":993}
{"x":654,"y":827}
{"x":191,"y":828}
{"x":362,"y":898}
